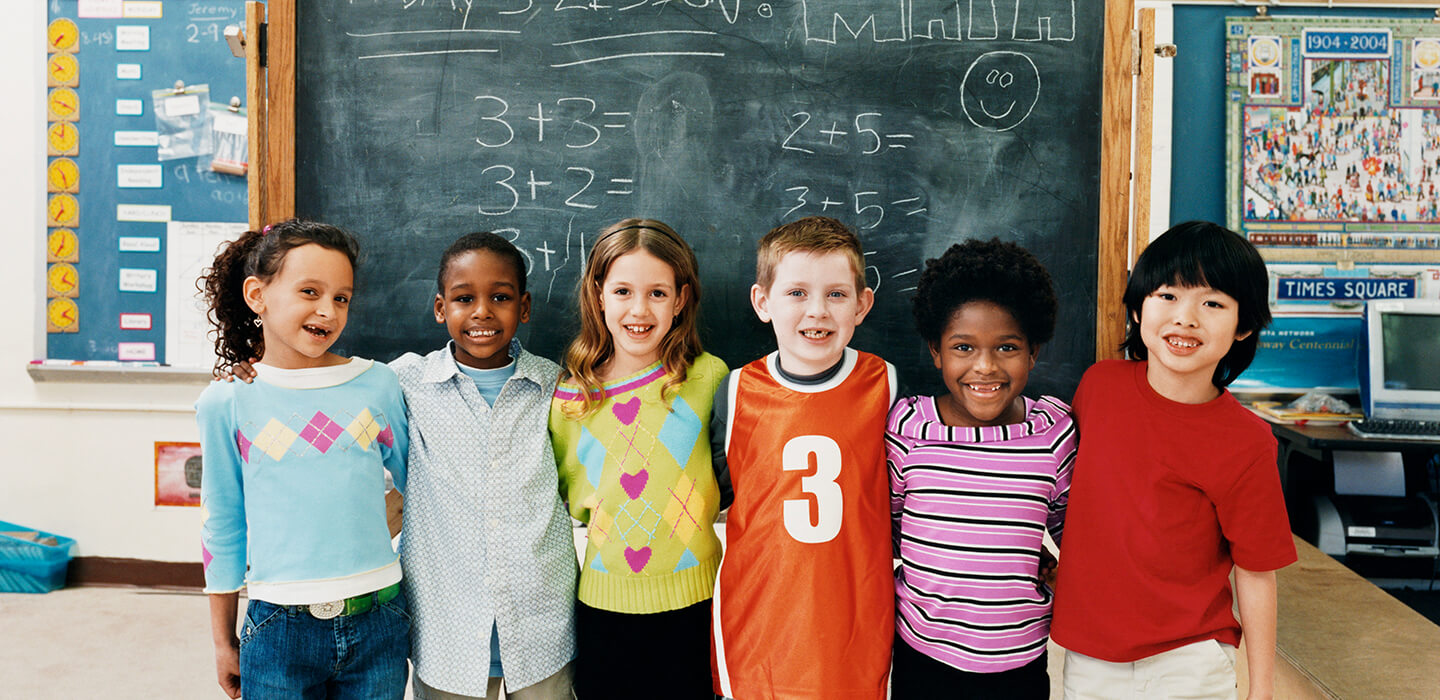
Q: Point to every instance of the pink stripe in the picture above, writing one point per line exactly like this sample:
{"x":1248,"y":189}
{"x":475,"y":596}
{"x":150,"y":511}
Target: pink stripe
{"x":565,"y":394}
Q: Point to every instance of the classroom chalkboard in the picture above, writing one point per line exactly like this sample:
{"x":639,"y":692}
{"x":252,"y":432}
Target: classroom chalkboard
{"x":919,"y":124}
{"x":126,"y":196}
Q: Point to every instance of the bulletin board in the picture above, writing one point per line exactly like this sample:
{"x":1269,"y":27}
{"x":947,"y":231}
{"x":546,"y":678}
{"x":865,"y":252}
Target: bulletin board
{"x":1317,"y":293}
{"x":133,"y":207}
{"x":1198,"y":180}
{"x":1334,"y":136}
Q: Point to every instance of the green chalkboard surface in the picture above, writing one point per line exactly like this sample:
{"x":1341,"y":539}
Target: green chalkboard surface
{"x":920,"y":124}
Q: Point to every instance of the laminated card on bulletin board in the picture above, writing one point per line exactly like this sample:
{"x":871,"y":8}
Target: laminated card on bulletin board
{"x":134,"y":208}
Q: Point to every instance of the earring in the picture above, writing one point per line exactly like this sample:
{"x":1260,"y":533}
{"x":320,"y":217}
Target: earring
{"x":258,"y":323}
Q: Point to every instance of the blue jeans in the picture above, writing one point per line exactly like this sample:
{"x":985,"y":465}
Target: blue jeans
{"x":285,"y":653}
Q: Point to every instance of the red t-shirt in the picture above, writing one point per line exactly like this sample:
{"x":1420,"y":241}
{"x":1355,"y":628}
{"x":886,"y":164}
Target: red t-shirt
{"x":1165,"y":499}
{"x":805,"y":600}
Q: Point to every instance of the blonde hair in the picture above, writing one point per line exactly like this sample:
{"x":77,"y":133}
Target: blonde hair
{"x":593,"y":347}
{"x":812,"y":234}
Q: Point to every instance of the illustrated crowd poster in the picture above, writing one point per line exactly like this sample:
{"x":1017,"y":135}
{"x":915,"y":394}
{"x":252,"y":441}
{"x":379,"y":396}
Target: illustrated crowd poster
{"x":1334,"y":137}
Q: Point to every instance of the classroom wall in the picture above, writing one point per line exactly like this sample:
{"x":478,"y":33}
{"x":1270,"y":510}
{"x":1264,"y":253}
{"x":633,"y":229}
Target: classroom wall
{"x":82,"y":453}
{"x":78,"y":457}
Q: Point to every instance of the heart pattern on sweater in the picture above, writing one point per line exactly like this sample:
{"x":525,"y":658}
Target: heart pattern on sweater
{"x":634,"y":483}
{"x":637,"y":558}
{"x":627,"y":411}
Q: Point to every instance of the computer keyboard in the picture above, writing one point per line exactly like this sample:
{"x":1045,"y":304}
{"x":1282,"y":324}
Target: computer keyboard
{"x":1395,"y":429}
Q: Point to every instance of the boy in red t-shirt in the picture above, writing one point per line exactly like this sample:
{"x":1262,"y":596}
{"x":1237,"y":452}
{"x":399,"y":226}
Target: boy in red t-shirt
{"x":1175,"y":485}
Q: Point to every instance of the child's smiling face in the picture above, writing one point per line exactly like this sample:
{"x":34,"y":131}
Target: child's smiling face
{"x":1187,"y":331}
{"x":814,"y":308}
{"x":482,"y":307}
{"x":985,"y":360}
{"x":303,"y":306}
{"x":640,"y":301}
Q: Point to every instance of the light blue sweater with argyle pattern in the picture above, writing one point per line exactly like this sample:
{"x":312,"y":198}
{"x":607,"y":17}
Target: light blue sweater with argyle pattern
{"x":294,"y":482}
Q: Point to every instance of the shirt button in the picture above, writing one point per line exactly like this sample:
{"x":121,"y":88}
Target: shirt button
{"x":489,"y":580}
{"x":495,"y":522}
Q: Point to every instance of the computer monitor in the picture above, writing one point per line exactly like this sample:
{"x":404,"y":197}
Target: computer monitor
{"x":1400,"y":360}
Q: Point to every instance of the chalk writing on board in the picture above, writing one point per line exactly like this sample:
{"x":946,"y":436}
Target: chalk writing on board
{"x":1008,"y":80}
{"x":916,"y":122}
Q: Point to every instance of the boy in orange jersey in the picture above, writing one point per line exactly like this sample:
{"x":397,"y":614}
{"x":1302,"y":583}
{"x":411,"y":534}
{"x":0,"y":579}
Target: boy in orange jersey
{"x":804,"y":602}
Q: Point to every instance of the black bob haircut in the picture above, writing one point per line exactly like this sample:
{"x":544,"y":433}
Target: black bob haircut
{"x":481,"y":241}
{"x":1202,"y":254}
{"x":995,"y":271}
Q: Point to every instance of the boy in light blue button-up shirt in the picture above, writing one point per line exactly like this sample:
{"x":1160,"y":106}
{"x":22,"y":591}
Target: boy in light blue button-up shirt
{"x":487,"y":546}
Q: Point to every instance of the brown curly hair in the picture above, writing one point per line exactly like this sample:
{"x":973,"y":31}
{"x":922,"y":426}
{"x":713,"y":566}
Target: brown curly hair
{"x":259,"y":254}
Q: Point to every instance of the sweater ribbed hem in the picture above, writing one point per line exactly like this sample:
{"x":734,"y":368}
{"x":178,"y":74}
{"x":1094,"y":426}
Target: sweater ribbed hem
{"x":625,"y":593}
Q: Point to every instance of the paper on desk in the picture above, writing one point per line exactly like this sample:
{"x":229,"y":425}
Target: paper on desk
{"x":1369,"y":474}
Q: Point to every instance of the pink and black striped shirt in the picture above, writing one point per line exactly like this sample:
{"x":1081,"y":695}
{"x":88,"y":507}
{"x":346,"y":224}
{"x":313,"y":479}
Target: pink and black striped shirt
{"x":970,"y":507}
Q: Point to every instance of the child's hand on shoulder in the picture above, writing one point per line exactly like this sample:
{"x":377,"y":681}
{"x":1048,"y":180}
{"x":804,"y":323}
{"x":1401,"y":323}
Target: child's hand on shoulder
{"x":243,"y":370}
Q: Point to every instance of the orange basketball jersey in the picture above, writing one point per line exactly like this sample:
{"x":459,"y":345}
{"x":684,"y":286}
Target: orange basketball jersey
{"x":805,"y":600}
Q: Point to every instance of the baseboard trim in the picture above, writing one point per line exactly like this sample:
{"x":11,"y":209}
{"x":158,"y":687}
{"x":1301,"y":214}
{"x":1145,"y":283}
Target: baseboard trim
{"x":134,"y":572}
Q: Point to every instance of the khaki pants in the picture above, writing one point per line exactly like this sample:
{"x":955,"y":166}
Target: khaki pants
{"x":1203,"y":670}
{"x":556,"y":687}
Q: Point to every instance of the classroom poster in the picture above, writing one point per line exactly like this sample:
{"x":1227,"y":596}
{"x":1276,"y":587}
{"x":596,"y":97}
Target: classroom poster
{"x":1334,"y":137}
{"x":192,"y":247}
{"x":177,"y":474}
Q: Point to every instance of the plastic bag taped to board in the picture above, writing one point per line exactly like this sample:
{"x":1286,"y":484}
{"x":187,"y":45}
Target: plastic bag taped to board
{"x":182,"y":120}
{"x":231,"y":154}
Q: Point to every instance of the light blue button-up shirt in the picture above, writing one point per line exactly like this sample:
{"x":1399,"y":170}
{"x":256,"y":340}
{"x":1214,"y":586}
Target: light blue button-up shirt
{"x":487,"y":541}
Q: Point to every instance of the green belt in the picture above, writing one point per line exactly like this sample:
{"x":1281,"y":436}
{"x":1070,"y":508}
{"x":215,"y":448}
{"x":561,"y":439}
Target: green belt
{"x":354,"y":606}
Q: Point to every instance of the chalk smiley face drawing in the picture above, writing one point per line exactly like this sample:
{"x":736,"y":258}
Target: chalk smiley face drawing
{"x":999,"y":90}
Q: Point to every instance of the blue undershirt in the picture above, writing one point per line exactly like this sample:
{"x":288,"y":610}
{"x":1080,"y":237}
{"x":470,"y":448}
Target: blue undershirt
{"x":489,"y":382}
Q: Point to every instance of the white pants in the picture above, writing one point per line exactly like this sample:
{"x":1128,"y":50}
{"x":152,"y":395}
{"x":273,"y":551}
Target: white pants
{"x":1203,"y":670}
{"x":556,"y":687}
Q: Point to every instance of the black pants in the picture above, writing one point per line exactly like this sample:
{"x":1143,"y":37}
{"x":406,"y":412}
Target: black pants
{"x":637,"y":657}
{"x":916,"y":676}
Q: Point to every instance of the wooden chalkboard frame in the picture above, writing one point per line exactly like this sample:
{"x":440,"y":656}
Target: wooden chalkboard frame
{"x":273,"y":55}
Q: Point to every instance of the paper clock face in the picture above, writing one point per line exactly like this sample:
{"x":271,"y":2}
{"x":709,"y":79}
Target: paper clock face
{"x":62,"y":246}
{"x":62,"y":175}
{"x":63,"y":35}
{"x":62,"y":316}
{"x":63,"y":139}
{"x":63,"y":210}
{"x":64,"y":105}
{"x":62,"y":280}
{"x":62,"y":71}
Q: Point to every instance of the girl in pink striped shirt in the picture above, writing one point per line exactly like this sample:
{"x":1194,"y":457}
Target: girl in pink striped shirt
{"x":977,"y":476}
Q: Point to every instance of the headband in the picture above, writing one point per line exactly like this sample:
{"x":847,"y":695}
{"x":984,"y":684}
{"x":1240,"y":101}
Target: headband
{"x":660,"y":231}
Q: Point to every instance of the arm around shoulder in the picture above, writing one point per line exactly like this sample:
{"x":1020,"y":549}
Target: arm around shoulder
{"x":395,"y":435}
{"x":719,"y":427}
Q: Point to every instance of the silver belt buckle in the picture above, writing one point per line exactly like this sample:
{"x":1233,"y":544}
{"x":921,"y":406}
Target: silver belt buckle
{"x":326,"y":611}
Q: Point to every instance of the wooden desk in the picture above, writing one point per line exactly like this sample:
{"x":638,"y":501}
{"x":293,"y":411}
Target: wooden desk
{"x":1338,"y":636}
